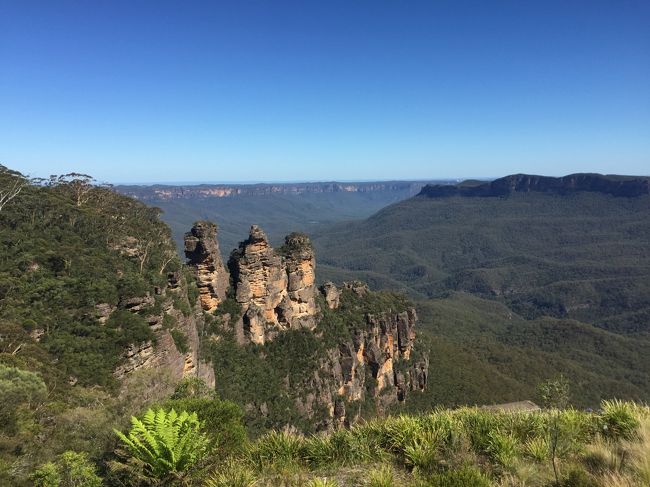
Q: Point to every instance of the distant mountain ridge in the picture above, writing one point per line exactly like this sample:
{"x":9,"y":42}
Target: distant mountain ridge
{"x":628,"y":186}
{"x":169,"y":192}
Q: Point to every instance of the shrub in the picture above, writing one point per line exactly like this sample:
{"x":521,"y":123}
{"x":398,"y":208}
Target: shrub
{"x":71,"y":469}
{"x":221,"y":420}
{"x":381,"y":477}
{"x":277,"y":448}
{"x":462,"y":477}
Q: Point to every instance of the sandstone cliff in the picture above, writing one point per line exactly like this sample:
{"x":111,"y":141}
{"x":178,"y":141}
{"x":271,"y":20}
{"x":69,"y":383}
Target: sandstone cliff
{"x":204,"y":257}
{"x":275,"y":289}
{"x":165,"y":319}
{"x":169,"y":192}
{"x":372,"y":365}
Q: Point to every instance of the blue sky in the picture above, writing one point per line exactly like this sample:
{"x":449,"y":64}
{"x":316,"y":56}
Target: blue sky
{"x":333,"y":90}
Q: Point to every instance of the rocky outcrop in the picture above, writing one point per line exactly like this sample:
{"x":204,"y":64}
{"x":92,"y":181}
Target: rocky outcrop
{"x":374,"y":362}
{"x":300,"y":263}
{"x":162,"y":353}
{"x":526,"y":183}
{"x":275,"y":290}
{"x":204,"y":257}
{"x":331,"y":294}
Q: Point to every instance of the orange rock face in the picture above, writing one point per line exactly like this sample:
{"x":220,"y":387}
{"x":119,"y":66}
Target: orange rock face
{"x":204,"y":256}
{"x":274,"y":288}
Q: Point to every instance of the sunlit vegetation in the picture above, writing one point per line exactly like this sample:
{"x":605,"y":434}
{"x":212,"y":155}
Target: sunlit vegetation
{"x":462,"y":447}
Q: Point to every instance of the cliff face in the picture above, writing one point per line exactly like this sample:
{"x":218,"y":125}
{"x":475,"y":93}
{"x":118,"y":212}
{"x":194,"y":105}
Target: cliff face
{"x":204,"y":257}
{"x":275,"y":291}
{"x":170,"y":192}
{"x":163,"y":352}
{"x":373,"y":364}
{"x":524,"y":183}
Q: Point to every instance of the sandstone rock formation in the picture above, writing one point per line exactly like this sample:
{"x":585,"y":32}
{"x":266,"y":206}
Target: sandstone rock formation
{"x":275,"y":290}
{"x":204,"y":257}
{"x":368,"y":359}
{"x":332,"y":294}
{"x":164,"y":355}
{"x":366,"y":365}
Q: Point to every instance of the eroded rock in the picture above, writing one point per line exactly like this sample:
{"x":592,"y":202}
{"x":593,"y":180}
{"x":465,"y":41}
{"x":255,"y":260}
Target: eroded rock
{"x":204,"y":256}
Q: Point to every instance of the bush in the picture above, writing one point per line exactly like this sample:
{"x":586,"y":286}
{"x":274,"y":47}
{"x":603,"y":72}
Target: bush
{"x":462,"y":477}
{"x":71,"y":469}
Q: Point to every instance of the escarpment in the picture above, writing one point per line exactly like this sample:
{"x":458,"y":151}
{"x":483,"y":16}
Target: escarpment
{"x":371,"y":366}
{"x":359,"y":347}
{"x":174,"y":323}
{"x":526,"y":183}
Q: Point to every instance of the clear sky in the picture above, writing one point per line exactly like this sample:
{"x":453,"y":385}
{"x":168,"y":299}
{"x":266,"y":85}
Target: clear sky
{"x":140,"y":91}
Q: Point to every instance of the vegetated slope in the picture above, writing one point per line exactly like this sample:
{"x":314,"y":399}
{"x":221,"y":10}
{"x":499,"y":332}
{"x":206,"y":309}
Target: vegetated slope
{"x":71,"y":253}
{"x":279,"y":209}
{"x":99,"y":320}
{"x":483,"y":353}
{"x":514,"y":289}
{"x":85,"y":306}
{"x":581,"y":255}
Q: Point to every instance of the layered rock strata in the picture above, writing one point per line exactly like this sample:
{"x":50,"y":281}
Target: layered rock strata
{"x":204,"y":257}
{"x":162,"y":353}
{"x":275,"y":290}
{"x":374,"y":362}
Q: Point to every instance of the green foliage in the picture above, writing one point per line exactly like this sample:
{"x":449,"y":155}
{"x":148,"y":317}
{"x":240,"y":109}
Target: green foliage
{"x":67,"y":247}
{"x":180,"y":340}
{"x":71,"y":469}
{"x":232,"y":474}
{"x":618,"y":419}
{"x":277,"y":448}
{"x":168,"y":443}
{"x":462,"y":477}
{"x":192,"y":388}
{"x":555,"y":393}
{"x":381,"y":477}
{"x":230,"y":307}
{"x":18,"y":389}
{"x":221,"y":420}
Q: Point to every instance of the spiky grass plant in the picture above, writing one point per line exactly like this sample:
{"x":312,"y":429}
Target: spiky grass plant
{"x":322,"y":482}
{"x":502,"y":448}
{"x":277,"y":449}
{"x":422,"y":454}
{"x":618,"y":419}
{"x":537,"y":448}
{"x":381,"y":477}
{"x":342,"y":447}
{"x":233,"y":473}
{"x":462,"y":477}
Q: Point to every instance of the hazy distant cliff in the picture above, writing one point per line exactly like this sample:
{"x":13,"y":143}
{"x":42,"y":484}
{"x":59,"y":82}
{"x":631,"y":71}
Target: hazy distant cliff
{"x":167,"y":192}
{"x":525,"y":183}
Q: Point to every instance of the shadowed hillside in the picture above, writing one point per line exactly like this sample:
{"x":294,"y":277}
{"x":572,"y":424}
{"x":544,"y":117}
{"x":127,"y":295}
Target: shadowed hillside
{"x":579,"y":254}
